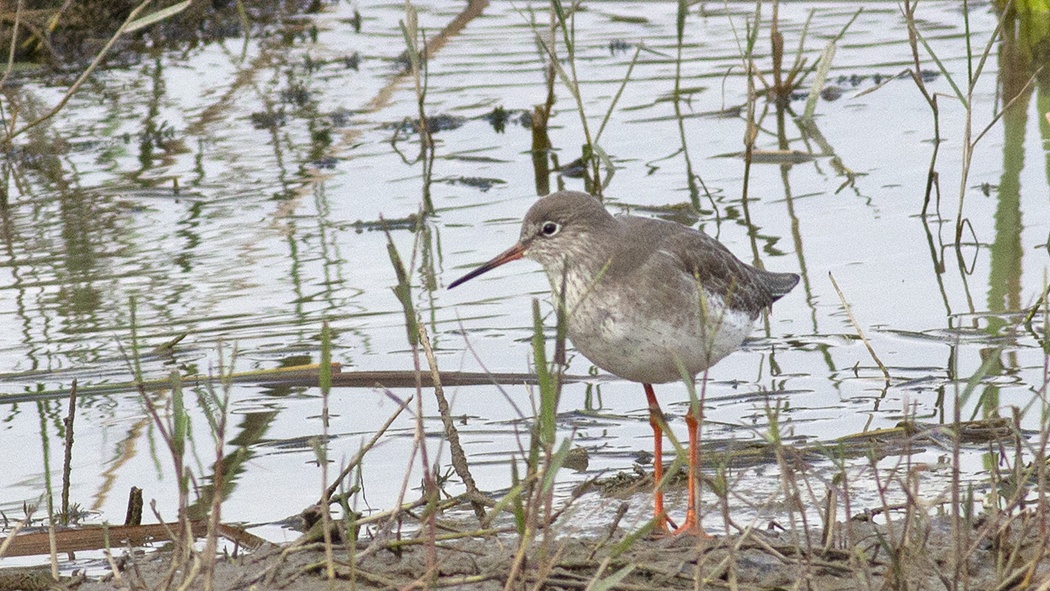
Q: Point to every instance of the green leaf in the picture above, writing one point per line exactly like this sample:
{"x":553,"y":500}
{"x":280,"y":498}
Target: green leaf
{"x":403,"y":291}
{"x":179,"y":417}
{"x":547,"y":384}
{"x":629,"y":540}
{"x":158,"y":16}
{"x":555,"y":464}
{"x":612,"y":580}
{"x":325,"y":378}
{"x":818,"y":81}
{"x":971,"y":384}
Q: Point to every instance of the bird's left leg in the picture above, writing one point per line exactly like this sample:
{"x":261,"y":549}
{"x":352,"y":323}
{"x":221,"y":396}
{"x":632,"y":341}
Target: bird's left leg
{"x":693,"y":420}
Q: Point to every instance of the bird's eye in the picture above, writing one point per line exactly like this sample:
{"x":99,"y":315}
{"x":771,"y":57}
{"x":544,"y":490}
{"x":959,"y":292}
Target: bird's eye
{"x":549,"y":228}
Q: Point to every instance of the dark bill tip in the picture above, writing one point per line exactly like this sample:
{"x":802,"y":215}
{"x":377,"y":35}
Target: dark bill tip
{"x":511,"y":254}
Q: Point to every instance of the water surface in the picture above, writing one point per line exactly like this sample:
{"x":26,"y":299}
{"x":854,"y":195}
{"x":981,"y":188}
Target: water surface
{"x":232,"y":190}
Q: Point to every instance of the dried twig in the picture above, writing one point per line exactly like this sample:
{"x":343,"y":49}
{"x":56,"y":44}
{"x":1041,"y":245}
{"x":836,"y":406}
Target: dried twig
{"x":856,"y":326}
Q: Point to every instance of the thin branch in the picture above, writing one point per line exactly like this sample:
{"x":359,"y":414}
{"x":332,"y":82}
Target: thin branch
{"x":83,"y":76}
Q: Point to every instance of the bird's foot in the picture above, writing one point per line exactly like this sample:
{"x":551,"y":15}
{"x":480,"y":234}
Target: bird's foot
{"x":665,"y":527}
{"x":662,"y":526}
{"x":691,"y":526}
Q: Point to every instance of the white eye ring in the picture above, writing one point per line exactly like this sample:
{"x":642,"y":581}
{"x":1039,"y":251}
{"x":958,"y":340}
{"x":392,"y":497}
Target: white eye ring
{"x":550,"y":228}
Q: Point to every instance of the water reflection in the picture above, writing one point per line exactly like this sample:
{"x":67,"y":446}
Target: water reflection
{"x":237,"y":192}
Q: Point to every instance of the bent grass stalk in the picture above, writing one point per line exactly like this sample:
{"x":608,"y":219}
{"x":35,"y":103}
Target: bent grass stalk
{"x":417,"y":52}
{"x":691,"y":177}
{"x":459,"y":457}
{"x":970,"y":141}
{"x":908,"y":11}
{"x":593,"y":155}
{"x":172,"y":421}
{"x":860,"y":331}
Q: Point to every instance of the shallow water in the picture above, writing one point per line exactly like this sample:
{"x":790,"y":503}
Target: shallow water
{"x":260,"y":243}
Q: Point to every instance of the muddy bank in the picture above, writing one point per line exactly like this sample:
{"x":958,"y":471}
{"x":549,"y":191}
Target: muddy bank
{"x":909,"y":552}
{"x":69,"y":34}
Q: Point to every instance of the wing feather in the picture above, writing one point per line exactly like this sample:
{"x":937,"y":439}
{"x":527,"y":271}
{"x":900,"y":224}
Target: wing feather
{"x":696,"y":254}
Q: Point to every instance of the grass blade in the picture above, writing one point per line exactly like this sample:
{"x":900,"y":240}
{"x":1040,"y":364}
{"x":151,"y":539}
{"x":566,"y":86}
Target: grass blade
{"x":818,"y":81}
{"x":547,"y":384}
{"x":157,"y":16}
{"x":612,"y":580}
{"x":940,"y":66}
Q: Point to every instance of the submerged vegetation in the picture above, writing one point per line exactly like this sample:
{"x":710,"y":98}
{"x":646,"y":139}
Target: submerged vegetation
{"x":948,"y":490}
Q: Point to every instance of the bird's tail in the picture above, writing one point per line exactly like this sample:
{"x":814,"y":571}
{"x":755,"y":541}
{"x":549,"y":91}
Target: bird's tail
{"x":779,"y":284}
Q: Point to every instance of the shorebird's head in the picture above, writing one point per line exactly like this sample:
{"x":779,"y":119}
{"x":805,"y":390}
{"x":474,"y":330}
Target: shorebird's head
{"x":559,"y":226}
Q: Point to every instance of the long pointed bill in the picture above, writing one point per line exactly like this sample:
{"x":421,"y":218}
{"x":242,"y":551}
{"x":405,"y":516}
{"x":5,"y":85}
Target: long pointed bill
{"x":511,"y":254}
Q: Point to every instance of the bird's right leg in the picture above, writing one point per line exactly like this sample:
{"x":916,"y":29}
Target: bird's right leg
{"x":655,"y":420}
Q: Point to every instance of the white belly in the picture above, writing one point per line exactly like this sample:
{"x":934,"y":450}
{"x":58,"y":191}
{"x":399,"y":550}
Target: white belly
{"x":644,"y":341}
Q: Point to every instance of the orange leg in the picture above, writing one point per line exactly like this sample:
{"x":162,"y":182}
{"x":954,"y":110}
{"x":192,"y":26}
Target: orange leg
{"x":692,"y":420}
{"x":659,"y":516}
{"x":692,"y":524}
